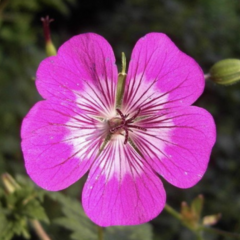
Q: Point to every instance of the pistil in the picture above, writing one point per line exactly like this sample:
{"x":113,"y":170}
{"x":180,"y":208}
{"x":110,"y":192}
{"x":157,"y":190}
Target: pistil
{"x":117,"y":125}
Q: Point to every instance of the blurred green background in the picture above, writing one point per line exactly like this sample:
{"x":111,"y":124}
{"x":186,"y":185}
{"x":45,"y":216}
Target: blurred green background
{"x":207,"y":30}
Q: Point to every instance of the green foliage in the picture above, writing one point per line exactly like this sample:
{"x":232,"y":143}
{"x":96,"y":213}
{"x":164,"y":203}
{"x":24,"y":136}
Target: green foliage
{"x":17,"y":207}
{"x":8,"y":229}
{"x":20,"y":54}
{"x":78,"y":223}
{"x":25,"y":204}
{"x":140,"y":232}
{"x":206,"y":29}
{"x":74,"y":218}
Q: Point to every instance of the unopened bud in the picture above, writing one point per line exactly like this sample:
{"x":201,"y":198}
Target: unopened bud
{"x":50,"y":49}
{"x":197,"y":206}
{"x":211,"y":219}
{"x":9,"y":183}
{"x":226,"y":71}
{"x":191,"y":215}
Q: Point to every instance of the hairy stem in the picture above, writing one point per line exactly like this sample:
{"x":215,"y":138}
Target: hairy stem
{"x":173,"y":212}
{"x":39,"y":230}
{"x":100,"y":233}
{"x":220,"y":232}
{"x":199,"y":235}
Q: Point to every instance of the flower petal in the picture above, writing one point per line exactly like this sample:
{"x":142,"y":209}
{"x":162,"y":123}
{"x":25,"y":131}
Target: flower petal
{"x":160,"y":74}
{"x":121,"y":189}
{"x":58,"y":143}
{"x":178,"y":144}
{"x":84,"y":64}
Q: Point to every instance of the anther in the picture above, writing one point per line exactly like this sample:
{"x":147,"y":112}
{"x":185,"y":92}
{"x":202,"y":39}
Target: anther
{"x":125,"y":124}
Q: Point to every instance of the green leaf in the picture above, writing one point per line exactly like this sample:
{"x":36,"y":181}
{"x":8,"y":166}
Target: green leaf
{"x":34,"y":210}
{"x":78,"y":228}
{"x":75,"y":219}
{"x":17,"y":207}
{"x":24,"y":203}
{"x":3,"y":223}
{"x":197,"y":206}
{"x":139,"y":232}
{"x":82,"y":228}
{"x":11,"y":227}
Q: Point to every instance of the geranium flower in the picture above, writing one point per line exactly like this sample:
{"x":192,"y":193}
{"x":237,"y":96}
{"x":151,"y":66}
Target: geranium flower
{"x":124,"y":132}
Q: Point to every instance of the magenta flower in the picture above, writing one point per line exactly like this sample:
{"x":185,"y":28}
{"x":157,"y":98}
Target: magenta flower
{"x":125,"y":134}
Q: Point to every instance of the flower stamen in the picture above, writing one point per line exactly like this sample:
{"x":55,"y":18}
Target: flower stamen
{"x":124,"y":124}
